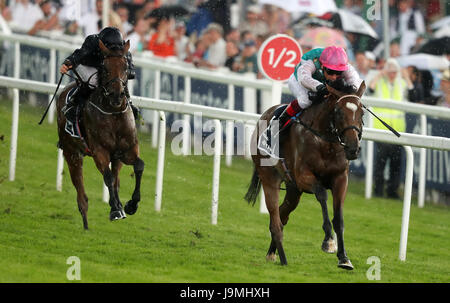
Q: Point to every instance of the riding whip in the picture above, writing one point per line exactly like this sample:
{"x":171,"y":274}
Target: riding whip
{"x":53,"y":98}
{"x":384,"y":123}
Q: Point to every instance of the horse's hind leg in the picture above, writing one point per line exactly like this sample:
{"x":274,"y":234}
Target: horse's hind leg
{"x":289,"y":204}
{"x":132,"y":205}
{"x":75,"y":164}
{"x":271,"y":192}
{"x":328,"y":244}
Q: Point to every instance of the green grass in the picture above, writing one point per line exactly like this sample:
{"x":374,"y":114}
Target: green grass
{"x":41,"y":227}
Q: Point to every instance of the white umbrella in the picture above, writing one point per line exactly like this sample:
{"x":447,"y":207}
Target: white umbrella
{"x":353,"y":23}
{"x":440,"y":23}
{"x":443,"y":31}
{"x":424,"y":61}
{"x":341,"y":19}
{"x":303,"y":6}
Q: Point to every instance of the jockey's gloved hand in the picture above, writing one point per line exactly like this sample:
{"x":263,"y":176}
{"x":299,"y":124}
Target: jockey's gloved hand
{"x":313,"y":96}
{"x":321,"y":90}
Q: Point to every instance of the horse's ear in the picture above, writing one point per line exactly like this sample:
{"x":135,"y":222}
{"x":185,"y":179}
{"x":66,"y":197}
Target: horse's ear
{"x":103,"y":48}
{"x":361,"y":89}
{"x":334,"y":91}
{"x":126,"y":46}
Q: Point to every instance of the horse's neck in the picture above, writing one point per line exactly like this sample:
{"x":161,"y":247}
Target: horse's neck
{"x":96,"y":97}
{"x":318,"y":116}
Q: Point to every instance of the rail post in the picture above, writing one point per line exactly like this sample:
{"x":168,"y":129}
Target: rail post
{"x":216,"y":170}
{"x":160,"y":164}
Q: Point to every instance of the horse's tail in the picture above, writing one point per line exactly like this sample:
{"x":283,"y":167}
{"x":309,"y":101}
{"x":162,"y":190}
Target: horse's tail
{"x":253,"y":189}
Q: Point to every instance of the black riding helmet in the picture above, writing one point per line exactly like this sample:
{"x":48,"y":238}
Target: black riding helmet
{"x":111,"y":37}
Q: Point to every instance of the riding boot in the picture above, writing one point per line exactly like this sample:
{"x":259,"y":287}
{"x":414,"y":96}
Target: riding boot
{"x":283,"y":120}
{"x":70,"y":109}
{"x":290,"y":112}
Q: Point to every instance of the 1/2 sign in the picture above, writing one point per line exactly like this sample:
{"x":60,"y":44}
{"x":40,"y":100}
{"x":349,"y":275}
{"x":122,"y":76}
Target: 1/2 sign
{"x":278,"y":57}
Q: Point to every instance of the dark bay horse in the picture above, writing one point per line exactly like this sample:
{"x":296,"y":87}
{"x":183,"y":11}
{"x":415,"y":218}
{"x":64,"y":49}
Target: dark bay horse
{"x":109,"y":135}
{"x":316,"y":154}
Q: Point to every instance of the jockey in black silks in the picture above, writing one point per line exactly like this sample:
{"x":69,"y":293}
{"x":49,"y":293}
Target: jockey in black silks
{"x":86,"y":61}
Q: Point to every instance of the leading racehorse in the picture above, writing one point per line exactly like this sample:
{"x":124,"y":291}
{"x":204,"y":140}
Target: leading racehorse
{"x":316,"y":153}
{"x":109,"y":135}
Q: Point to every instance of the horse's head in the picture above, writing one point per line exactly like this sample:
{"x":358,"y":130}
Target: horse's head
{"x":347,"y":119}
{"x":113,"y":75}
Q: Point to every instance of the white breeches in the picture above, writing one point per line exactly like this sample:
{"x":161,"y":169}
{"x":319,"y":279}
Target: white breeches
{"x":300,"y":92}
{"x":87,"y":72}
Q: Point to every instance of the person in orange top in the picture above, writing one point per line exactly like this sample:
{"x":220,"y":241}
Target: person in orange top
{"x":162,"y":42}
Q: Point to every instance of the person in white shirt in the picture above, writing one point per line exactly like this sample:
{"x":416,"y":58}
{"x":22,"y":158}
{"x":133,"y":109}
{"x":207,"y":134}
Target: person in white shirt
{"x":25,"y":14}
{"x":408,"y":26}
{"x":123,"y":13}
{"x":216,"y":53}
{"x":181,"y":41}
{"x":138,"y":36}
{"x":90,"y":21}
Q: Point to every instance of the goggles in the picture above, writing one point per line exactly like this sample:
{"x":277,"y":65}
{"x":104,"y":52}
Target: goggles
{"x":332,"y":72}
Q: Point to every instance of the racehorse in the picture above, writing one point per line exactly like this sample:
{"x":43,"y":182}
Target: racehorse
{"x":316,"y":151}
{"x":109,"y":135}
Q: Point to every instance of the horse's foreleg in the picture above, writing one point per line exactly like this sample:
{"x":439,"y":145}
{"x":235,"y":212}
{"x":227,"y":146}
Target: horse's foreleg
{"x":132,"y":205}
{"x":328,"y":244}
{"x":75,"y":164}
{"x":102,"y":161}
{"x":116,"y":165}
{"x":339,"y":190}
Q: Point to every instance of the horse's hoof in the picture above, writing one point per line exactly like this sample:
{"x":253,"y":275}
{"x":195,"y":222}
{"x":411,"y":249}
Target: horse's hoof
{"x":130,"y":207}
{"x":117,"y":215}
{"x":329,"y":246}
{"x":345,"y":264}
{"x":271,"y":257}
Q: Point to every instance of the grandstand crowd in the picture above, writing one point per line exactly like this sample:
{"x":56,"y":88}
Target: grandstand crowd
{"x":206,"y":34}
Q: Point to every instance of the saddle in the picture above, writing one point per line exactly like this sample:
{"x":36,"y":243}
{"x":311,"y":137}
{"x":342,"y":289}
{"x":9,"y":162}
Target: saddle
{"x":269,"y":141}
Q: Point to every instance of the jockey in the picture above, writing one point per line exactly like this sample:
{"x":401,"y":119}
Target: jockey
{"x":307,"y":83}
{"x":87,"y":59}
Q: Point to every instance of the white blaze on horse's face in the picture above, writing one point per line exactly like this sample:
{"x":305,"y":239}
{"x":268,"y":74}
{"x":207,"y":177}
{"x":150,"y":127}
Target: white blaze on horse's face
{"x":353,"y":107}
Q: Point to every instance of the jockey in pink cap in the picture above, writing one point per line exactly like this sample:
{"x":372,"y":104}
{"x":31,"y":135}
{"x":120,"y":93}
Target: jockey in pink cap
{"x":317,"y":67}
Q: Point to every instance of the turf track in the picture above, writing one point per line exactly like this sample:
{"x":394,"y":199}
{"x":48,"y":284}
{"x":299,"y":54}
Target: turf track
{"x":40,"y":227}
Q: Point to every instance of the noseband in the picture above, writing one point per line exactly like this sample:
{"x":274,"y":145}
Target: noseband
{"x":105,"y":91}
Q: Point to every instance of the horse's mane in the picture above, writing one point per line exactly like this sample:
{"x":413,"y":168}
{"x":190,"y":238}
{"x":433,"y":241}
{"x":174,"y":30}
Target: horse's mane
{"x":342,"y":87}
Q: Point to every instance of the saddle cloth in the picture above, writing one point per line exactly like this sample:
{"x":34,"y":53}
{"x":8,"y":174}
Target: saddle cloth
{"x":73,"y":129}
{"x":269,"y":140}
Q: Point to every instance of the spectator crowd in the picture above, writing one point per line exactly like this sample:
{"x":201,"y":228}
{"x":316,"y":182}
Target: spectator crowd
{"x":202,"y":32}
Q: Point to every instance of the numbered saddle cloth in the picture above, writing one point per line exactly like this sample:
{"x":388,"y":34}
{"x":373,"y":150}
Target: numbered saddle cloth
{"x":269,"y":140}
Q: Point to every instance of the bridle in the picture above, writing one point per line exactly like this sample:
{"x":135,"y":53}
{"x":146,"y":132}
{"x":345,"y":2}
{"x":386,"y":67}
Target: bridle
{"x":340,"y":133}
{"x":335,"y":132}
{"x":104,"y":88}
